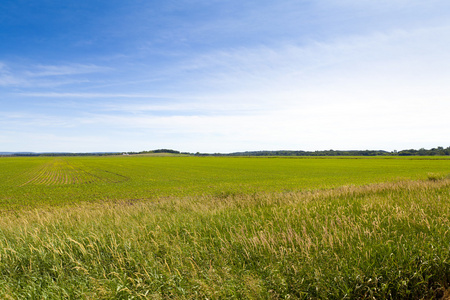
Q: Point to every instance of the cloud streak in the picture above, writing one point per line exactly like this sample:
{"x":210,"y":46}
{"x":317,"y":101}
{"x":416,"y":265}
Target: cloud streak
{"x":37,"y":76}
{"x":64,"y":70}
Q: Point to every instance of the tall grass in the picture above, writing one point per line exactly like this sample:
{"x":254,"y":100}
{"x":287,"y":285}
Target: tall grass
{"x":383,"y":241}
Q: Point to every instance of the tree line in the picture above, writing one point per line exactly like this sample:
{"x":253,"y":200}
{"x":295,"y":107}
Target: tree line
{"x":439,"y":151}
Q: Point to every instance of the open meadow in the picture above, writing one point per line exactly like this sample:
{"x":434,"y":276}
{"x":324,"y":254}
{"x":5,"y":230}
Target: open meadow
{"x":142,"y":227}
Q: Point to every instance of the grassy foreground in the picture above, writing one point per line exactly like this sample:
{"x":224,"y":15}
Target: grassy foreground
{"x":384,"y":241}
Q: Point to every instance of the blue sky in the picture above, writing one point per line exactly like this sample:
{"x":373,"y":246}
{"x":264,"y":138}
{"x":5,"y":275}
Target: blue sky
{"x":224,"y":76}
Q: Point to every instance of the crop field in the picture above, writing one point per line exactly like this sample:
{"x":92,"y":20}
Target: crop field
{"x":143,"y":227}
{"x":34,"y":182}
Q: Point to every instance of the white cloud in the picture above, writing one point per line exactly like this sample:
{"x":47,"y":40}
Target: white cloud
{"x":351,"y":57}
{"x":64,"y":70}
{"x":6,"y":77}
{"x":89,"y":95}
{"x":46,"y":76}
{"x":34,"y":120}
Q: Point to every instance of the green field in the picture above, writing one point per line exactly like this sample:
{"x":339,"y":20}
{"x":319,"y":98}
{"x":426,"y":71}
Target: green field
{"x":141,"y":227}
{"x":53,"y":181}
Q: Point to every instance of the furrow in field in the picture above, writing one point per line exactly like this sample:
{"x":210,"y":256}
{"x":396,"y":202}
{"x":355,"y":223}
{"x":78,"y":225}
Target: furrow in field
{"x":41,"y":177}
{"x":60,"y":178}
{"x":57,"y":176}
{"x":53,"y":178}
{"x":34,"y":175}
{"x":60,"y":172}
{"x":66,"y":177}
{"x":47,"y":177}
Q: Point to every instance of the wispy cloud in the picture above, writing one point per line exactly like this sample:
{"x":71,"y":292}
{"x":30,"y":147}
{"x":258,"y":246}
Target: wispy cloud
{"x":290,"y":64}
{"x":89,"y":95}
{"x":37,"y":76}
{"x":7,"y":78}
{"x":22,"y":120}
{"x":64,"y":70}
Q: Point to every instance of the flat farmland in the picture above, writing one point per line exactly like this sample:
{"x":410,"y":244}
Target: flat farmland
{"x":31,"y":182}
{"x":136,"y":227}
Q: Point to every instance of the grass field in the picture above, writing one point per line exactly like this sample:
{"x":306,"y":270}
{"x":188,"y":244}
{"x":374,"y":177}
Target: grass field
{"x":34,"y":182}
{"x":197,"y":228}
